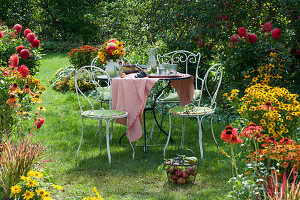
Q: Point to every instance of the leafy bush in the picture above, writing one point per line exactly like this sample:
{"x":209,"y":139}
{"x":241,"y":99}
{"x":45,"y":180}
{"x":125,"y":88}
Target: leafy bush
{"x":33,"y":185}
{"x":17,"y":158}
{"x":64,"y":81}
{"x":14,"y":42}
{"x":82,"y":56}
{"x":20,"y":93}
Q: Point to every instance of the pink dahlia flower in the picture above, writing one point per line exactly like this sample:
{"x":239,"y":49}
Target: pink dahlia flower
{"x":276,"y":33}
{"x":18,"y":28}
{"x":20,"y":48}
{"x":14,"y":60}
{"x":24,"y":53}
{"x":26,"y":32}
{"x":35,"y":43}
{"x":24,"y":71}
{"x":252,"y":38}
{"x":1,"y":34}
{"x":267,"y":27}
{"x":30,"y":37}
{"x":242,"y":32}
{"x":234,"y":38}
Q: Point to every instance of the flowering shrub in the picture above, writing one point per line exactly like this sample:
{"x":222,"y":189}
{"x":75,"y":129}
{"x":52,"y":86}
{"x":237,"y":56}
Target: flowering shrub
{"x":113,"y":49}
{"x":82,"y":56}
{"x":33,"y":186}
{"x":273,"y":108}
{"x":64,"y":81}
{"x":20,"y":93}
{"x":17,"y":158}
{"x":250,"y":55}
{"x":24,"y":45}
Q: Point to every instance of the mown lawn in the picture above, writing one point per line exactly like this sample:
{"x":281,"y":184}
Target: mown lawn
{"x":125,"y":178}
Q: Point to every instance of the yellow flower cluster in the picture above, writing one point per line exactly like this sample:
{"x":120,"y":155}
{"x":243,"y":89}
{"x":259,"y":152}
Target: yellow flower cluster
{"x":273,"y":108}
{"x":98,"y":197}
{"x":113,"y":49}
{"x":30,"y":187}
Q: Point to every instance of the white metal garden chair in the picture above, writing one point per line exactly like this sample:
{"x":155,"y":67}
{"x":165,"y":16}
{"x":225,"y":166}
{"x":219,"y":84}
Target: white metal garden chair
{"x":90,"y":105}
{"x":202,"y":107}
{"x":189,"y":63}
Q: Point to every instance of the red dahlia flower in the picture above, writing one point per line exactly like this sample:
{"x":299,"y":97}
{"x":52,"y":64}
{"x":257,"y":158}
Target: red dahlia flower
{"x":18,"y":28}
{"x":24,"y":53}
{"x":242,"y":32}
{"x":14,"y":60}
{"x":24,"y":71}
{"x":234,"y":38}
{"x":20,"y":48}
{"x":1,"y":34}
{"x":30,"y":37}
{"x":110,"y":49}
{"x":252,"y":38}
{"x":26,"y":32}
{"x":267,"y":27}
{"x":38,"y":122}
{"x":276,"y":33}
{"x":35,"y":43}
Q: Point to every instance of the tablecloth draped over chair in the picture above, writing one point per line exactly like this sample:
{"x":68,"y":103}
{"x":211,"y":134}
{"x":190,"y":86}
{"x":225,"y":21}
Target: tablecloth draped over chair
{"x":130,"y":94}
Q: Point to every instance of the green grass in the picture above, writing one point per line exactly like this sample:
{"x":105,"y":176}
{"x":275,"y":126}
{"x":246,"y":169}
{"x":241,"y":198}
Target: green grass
{"x":125,"y":178}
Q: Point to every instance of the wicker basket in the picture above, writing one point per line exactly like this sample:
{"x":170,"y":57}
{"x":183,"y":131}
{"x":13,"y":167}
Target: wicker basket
{"x":181,"y":170}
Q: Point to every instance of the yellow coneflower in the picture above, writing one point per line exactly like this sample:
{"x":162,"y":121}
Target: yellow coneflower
{"x":36,"y":98}
{"x":41,"y":108}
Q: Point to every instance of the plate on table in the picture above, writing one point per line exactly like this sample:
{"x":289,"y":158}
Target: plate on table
{"x":163,"y":76}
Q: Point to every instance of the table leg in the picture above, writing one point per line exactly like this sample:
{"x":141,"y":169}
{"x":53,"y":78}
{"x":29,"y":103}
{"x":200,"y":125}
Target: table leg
{"x":154,"y":115}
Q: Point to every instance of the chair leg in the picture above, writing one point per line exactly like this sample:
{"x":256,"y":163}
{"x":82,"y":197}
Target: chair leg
{"x":200,"y":135}
{"x":111,"y":129}
{"x":82,"y":131}
{"x":212,"y":131}
{"x":107,"y":141}
{"x":152,"y":130}
{"x":101,"y":132}
{"x":162,"y":116}
{"x":133,"y":151}
{"x":169,"y":136}
{"x":182,"y":136}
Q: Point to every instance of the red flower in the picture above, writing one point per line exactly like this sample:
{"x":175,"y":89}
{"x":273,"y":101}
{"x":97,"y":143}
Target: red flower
{"x":110,"y":49}
{"x":269,"y":141}
{"x":13,"y":87}
{"x":35,"y":43}
{"x":229,"y":44}
{"x":251,"y":130}
{"x":30,"y":37}
{"x":242,"y":32}
{"x":20,"y":48}
{"x":236,"y":140}
{"x":286,"y":141}
{"x":24,"y":71}
{"x":268,"y":106}
{"x":276,"y":33}
{"x":38,"y":122}
{"x":229,"y":133}
{"x":1,"y":34}
{"x":11,"y":35}
{"x":24,"y":53}
{"x":18,"y":28}
{"x":14,"y":60}
{"x":226,"y":17}
{"x":27,"y":89}
{"x":234,"y":38}
{"x":267,"y":27}
{"x":252,"y":38}
{"x":27,"y":31}
{"x":112,"y":40}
